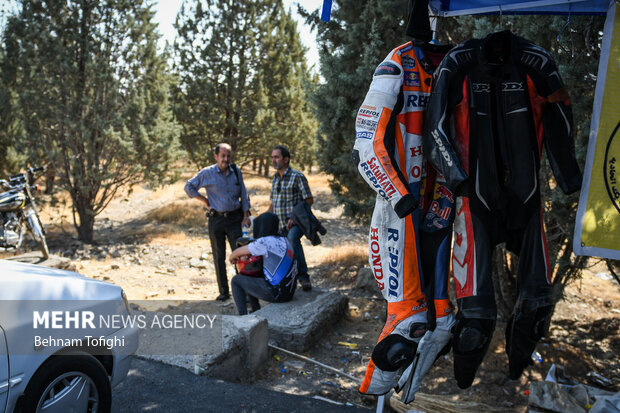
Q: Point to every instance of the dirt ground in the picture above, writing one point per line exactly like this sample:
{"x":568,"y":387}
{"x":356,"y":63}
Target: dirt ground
{"x":154,"y":243}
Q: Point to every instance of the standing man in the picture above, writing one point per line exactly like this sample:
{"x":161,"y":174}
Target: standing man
{"x":289,"y":187}
{"x":227,"y":205}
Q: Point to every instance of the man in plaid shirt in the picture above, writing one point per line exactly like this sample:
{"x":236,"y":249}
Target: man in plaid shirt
{"x":289,"y":187}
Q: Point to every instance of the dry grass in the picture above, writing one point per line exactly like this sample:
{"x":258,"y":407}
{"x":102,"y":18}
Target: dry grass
{"x":348,"y":256}
{"x":181,"y":213}
{"x":167,"y":236}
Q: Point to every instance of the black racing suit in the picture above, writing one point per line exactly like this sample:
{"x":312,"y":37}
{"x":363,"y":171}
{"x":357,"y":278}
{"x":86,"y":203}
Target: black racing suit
{"x":495,"y":102}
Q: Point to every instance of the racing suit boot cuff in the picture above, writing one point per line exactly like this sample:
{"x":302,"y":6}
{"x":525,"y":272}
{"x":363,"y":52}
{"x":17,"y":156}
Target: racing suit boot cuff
{"x":522,"y":335}
{"x":405,"y":205}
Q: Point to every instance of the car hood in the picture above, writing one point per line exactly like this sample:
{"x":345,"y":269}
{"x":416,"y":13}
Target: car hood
{"x":19,"y":281}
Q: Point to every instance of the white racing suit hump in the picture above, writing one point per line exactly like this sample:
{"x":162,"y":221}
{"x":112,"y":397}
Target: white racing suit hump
{"x":411,"y":203}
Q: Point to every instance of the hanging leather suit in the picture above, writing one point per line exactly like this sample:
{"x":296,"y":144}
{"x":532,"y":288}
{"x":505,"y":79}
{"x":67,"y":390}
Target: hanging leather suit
{"x":410,"y":233}
{"x":495,"y":102}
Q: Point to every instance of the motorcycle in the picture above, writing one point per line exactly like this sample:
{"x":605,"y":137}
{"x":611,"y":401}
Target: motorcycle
{"x":18,"y":211}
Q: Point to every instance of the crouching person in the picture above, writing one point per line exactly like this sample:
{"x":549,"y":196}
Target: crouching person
{"x":275,"y":282}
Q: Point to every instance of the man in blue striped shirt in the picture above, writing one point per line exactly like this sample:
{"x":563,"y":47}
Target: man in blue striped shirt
{"x":228,"y":208}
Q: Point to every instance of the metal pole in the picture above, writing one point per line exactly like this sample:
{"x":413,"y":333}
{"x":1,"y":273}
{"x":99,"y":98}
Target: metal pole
{"x":355,"y":379}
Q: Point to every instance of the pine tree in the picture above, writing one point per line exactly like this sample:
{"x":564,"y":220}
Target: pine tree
{"x":282,"y":83}
{"x":215,"y":59}
{"x":351,"y":45}
{"x":241,"y":68}
{"x":11,"y":155}
{"x":92,"y":95}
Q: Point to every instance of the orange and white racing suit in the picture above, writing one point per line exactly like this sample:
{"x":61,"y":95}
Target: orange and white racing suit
{"x":412,"y":206}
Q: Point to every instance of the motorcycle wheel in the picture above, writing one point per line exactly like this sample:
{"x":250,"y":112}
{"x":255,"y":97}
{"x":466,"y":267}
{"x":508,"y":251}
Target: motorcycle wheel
{"x":37,"y":233}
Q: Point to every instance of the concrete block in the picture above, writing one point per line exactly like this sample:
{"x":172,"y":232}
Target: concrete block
{"x":235,"y":355}
{"x":300,"y":323}
{"x":254,"y":336}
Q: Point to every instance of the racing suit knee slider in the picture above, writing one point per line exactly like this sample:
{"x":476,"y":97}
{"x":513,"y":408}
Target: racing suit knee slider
{"x":469,"y":345}
{"x":396,"y":351}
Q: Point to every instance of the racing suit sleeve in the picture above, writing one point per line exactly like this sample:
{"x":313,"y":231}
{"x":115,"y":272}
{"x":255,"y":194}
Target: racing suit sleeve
{"x":438,"y":135}
{"x":553,"y":116}
{"x":375,"y":137}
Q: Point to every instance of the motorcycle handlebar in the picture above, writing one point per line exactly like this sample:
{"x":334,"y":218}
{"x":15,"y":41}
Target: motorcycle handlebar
{"x":18,"y":181}
{"x":4,"y":183}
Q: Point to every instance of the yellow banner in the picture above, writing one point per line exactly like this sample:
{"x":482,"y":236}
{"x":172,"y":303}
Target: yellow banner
{"x":597,"y":230}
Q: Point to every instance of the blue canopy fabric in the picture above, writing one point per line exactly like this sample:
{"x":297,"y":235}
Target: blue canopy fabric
{"x":446,"y":8}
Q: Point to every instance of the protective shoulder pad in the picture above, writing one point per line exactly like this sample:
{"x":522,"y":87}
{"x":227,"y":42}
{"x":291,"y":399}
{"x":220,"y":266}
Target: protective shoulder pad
{"x":387,"y":68}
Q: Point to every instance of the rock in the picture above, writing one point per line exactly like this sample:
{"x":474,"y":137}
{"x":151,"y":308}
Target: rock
{"x":115,"y":266}
{"x":366,"y":280}
{"x":295,"y":364}
{"x":196,"y":263}
{"x":354,"y":311}
{"x":552,"y":397}
{"x":204,"y":256}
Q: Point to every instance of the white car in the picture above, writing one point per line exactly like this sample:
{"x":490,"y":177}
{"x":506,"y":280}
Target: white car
{"x":62,"y":347}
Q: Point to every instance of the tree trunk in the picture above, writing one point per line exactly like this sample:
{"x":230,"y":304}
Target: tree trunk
{"x":266,"y":166}
{"x":86,"y":220}
{"x":254,"y":164}
{"x":50,"y":177}
{"x":504,"y":278}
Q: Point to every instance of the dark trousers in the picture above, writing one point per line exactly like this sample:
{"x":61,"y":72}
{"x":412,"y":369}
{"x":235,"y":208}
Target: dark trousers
{"x":294,"y":235}
{"x":252,"y":288}
{"x":220,"y":228}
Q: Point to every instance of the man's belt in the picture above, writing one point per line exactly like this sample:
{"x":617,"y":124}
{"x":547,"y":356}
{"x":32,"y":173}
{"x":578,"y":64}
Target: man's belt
{"x":213,"y":213}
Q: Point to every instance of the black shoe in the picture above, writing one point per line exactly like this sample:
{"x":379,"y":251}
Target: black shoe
{"x":305,"y":284}
{"x":223,"y":297}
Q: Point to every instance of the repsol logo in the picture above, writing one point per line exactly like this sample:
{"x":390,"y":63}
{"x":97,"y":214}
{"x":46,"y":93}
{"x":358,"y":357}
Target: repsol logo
{"x":368,"y":113}
{"x":442,"y":148}
{"x":393,"y":261}
{"x":393,"y":264}
{"x":379,"y":179}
